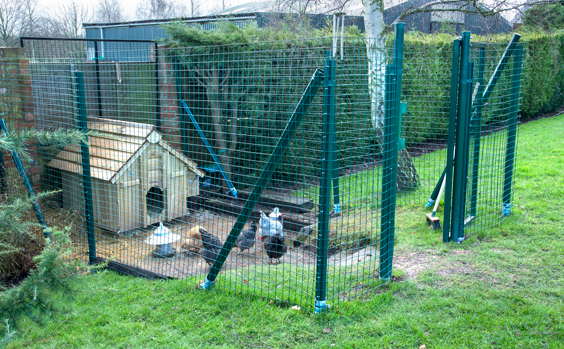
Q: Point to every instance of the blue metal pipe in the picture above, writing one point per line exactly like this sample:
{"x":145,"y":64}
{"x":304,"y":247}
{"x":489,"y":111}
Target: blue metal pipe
{"x":27,"y":185}
{"x":212,"y":153}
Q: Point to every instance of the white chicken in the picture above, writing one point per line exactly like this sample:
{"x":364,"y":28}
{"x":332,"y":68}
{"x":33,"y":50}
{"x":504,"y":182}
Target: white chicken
{"x":271,"y":225}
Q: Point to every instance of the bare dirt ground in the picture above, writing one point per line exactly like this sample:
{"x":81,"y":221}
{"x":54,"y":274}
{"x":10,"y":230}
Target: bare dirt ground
{"x":415,"y":263}
{"x":130,"y":248}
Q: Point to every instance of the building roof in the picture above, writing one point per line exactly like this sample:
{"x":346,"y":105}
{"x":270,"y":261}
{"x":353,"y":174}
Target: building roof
{"x":249,"y":7}
{"x":110,"y":158}
{"x":210,"y":18}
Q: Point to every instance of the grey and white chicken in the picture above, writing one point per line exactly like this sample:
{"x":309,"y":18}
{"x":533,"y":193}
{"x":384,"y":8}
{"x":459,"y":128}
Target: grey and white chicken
{"x":272,"y":224}
{"x":211,"y":247}
{"x":303,"y":235}
{"x":247,"y":238}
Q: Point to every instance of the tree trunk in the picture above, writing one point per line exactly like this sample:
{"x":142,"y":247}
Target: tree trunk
{"x":375,"y":45}
{"x":213,"y":88}
{"x":217,"y":90}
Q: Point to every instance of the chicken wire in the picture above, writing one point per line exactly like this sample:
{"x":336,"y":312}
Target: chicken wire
{"x":156,"y":109}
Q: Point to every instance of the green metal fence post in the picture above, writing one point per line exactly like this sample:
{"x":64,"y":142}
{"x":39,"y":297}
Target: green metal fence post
{"x":157,"y":92}
{"x":388,"y":167}
{"x":336,"y":199}
{"x":181,"y":116}
{"x":398,"y":63}
{"x":476,"y":130}
{"x":98,"y":83}
{"x":392,"y":115}
{"x":461,"y":151}
{"x":86,"y":176}
{"x":327,"y":171}
{"x":265,"y":176}
{"x":512,"y":130}
{"x":451,"y":138}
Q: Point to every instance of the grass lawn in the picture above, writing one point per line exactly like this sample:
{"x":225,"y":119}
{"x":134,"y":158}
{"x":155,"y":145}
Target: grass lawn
{"x":502,"y":288}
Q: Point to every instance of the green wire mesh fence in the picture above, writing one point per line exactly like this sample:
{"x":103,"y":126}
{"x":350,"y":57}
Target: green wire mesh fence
{"x":493,"y":133}
{"x":185,"y":135}
{"x":432,"y":115}
{"x":278,"y":150}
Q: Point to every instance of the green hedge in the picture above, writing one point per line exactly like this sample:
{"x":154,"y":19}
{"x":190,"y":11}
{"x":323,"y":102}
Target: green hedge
{"x":269,"y":78}
{"x":543,"y":79}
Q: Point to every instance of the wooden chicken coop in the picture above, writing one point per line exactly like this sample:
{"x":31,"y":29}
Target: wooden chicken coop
{"x":137,"y":178}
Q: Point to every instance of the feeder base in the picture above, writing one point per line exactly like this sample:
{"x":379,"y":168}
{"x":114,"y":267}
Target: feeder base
{"x":169,"y":253}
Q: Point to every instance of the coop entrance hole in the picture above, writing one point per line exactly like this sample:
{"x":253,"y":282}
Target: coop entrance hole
{"x":155,"y":202}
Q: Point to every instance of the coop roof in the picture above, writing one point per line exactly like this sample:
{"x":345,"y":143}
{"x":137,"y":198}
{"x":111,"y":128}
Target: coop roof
{"x":110,"y":157}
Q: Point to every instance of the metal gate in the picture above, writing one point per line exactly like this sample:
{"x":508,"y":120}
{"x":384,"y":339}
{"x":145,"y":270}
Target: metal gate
{"x":478,"y":182}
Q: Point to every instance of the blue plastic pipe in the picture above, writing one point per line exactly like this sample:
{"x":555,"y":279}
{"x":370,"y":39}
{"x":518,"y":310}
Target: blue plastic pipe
{"x":27,"y":185}
{"x":205,"y":140}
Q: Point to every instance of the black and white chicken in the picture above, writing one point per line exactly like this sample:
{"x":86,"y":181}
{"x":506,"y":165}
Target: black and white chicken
{"x":272,"y":224}
{"x":247,"y":238}
{"x":211,"y":247}
{"x":274,"y":247}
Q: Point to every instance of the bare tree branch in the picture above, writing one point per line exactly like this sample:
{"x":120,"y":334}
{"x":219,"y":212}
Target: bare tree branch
{"x":164,"y":9}
{"x":109,"y":11}
{"x":67,"y":21}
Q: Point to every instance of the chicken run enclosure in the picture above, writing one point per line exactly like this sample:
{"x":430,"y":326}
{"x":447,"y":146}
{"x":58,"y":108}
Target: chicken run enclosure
{"x":273,"y":169}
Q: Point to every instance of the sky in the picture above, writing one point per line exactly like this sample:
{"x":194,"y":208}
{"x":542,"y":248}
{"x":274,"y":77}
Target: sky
{"x":130,"y":6}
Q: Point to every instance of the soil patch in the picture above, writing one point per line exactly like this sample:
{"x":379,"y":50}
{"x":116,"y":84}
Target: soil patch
{"x":414,"y":263}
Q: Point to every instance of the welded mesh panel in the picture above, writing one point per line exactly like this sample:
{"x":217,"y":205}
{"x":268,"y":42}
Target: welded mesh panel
{"x":426,"y":90}
{"x":152,"y":161}
{"x":121,"y":79}
{"x":493,"y":135}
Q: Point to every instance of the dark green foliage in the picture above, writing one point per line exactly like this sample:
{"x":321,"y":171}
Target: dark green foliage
{"x":32,"y":268}
{"x":53,"y":272}
{"x":546,"y":17}
{"x":427,"y":65}
{"x":426,"y":86}
{"x":543,"y":85}
{"x":271,"y":75}
{"x":19,"y":140}
{"x":260,"y":76}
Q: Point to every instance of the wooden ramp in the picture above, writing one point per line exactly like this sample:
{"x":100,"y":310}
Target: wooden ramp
{"x":286,"y":203}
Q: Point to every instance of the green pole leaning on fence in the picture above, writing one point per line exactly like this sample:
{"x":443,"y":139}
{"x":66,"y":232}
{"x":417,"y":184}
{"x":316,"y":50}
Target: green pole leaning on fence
{"x":476,"y":129}
{"x":265,"y":176}
{"x":512,"y":130}
{"x":460,"y":166}
{"x":451,"y":138}
{"x":327,"y":170}
{"x":86,"y":176}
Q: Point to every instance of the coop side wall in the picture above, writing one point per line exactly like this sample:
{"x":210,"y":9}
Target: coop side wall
{"x":181,"y":183}
{"x":131,"y":198}
{"x":104,"y":195}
